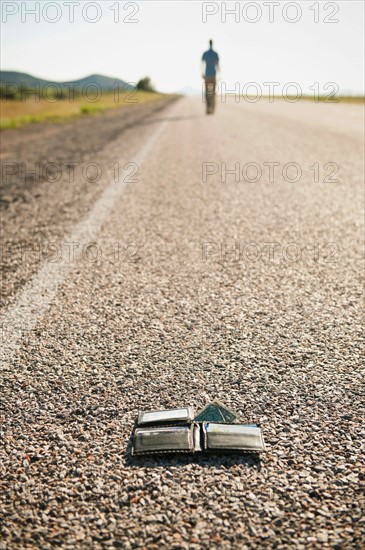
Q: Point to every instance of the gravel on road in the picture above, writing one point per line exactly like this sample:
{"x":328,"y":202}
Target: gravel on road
{"x":52,"y":174}
{"x":185,"y":304}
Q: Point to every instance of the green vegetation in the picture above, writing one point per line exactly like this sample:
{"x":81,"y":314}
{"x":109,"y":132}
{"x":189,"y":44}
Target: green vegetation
{"x":20,"y":121}
{"x":92,"y":109}
{"x":16,"y":122}
{"x":145,"y":84}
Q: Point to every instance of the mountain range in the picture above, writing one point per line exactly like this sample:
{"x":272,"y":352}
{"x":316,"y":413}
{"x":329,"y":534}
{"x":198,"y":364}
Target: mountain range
{"x":104,"y":83}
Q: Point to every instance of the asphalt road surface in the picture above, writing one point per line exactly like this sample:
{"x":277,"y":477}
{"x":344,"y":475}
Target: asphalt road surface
{"x":156,"y":257}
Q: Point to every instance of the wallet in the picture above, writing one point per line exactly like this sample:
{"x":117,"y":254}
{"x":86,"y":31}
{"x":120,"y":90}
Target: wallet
{"x":177,"y":431}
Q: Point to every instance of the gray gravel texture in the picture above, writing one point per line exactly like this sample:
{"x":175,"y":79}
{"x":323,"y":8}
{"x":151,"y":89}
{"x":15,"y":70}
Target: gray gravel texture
{"x":277,"y":340}
{"x":48,"y":182}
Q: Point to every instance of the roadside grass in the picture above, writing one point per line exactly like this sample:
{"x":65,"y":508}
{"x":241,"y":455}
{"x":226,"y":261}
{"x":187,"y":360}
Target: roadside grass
{"x":294,"y":99}
{"x":14,"y":113}
{"x":92,"y":109}
{"x":325,"y":99}
{"x":320,"y":99}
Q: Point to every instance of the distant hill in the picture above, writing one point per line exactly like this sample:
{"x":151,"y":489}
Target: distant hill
{"x":105,"y":83}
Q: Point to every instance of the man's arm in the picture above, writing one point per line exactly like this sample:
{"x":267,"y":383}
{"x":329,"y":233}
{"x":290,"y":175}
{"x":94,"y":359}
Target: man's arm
{"x":218,"y":68}
{"x":203,"y":67}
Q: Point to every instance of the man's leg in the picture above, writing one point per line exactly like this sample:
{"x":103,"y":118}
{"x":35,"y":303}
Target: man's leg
{"x":213,"y":95}
{"x":210,"y":94}
{"x":207,"y":96}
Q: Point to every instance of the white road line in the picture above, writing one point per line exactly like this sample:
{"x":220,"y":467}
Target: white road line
{"x":34,"y":299}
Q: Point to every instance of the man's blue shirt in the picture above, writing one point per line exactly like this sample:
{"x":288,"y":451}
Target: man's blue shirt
{"x":211,"y":61}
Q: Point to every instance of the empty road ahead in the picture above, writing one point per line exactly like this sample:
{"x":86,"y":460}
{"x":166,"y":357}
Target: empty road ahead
{"x":157,"y":257}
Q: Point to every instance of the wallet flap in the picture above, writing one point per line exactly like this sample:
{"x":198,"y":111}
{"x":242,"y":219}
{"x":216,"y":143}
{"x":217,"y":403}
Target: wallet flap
{"x":232,"y":437}
{"x":164,"y":439}
{"x":185,"y":414}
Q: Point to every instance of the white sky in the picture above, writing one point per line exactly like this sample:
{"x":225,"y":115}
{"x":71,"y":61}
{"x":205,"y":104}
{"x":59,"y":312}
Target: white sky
{"x":169,"y":38}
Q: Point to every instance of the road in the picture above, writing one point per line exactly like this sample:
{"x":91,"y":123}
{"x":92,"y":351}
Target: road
{"x":212,"y":257}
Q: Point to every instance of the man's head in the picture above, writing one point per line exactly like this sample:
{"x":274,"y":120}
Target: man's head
{"x":211,"y":43}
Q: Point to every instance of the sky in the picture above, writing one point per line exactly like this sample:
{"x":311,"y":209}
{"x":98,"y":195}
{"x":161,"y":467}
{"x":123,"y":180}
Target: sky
{"x":165,"y":40}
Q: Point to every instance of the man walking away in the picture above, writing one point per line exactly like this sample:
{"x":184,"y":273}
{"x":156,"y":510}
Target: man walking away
{"x":211,"y":60}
